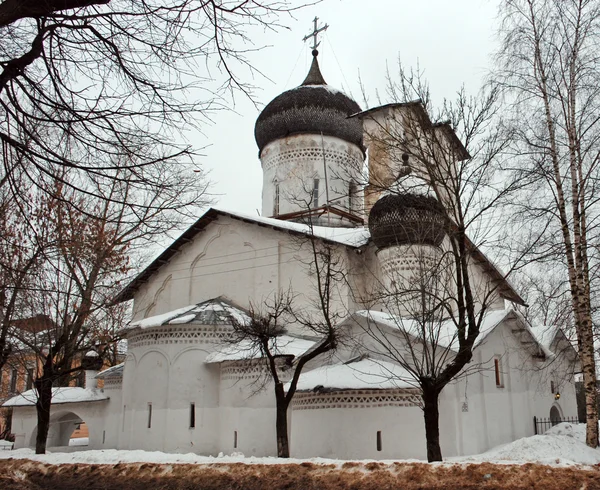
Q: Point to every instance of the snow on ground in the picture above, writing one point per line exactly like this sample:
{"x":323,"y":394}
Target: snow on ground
{"x":563,"y":445}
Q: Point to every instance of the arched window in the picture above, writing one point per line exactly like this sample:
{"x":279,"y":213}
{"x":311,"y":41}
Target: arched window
{"x":276,"y":200}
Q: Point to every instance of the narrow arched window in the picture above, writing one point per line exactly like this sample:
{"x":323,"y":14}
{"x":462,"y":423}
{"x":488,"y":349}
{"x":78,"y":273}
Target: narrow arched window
{"x":276,"y":200}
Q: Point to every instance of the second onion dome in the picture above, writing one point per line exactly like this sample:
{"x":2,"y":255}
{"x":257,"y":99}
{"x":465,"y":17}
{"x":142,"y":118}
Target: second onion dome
{"x":407,"y":219}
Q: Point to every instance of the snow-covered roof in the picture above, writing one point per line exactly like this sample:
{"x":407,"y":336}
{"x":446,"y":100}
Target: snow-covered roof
{"x":545,"y":334}
{"x":111,"y":372}
{"x":283,"y":345}
{"x":59,"y":395}
{"x":351,"y":237}
{"x":212,"y":312}
{"x":445,"y":333}
{"x":359,"y":375}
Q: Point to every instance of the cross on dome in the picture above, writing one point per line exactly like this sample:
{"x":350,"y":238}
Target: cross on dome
{"x":314,"y":34}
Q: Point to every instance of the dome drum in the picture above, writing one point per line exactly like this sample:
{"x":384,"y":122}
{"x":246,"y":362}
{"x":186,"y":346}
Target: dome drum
{"x":407,"y":219}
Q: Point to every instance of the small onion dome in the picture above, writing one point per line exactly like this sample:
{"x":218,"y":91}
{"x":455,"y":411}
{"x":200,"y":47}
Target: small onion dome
{"x":91,"y":361}
{"x":312,"y":108}
{"x":407,"y":219}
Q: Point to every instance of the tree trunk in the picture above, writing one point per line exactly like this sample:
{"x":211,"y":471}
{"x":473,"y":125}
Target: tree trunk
{"x":44,"y":401}
{"x":432,"y":423}
{"x":281,"y":423}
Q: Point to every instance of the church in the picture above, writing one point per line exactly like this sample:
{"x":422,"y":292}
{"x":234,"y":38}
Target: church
{"x":185,"y":387}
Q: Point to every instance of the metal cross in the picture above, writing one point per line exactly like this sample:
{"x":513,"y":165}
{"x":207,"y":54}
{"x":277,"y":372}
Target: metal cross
{"x":314,"y":34}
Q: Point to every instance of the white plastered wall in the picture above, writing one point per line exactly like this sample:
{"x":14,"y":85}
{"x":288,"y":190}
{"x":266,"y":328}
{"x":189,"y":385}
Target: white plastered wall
{"x":295,"y":161}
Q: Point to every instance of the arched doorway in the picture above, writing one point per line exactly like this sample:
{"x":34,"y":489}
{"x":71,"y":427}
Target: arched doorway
{"x":66,"y":429}
{"x":555,"y":415}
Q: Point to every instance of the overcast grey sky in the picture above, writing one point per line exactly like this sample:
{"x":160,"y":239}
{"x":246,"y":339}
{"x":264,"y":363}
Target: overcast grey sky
{"x":451,"y":40}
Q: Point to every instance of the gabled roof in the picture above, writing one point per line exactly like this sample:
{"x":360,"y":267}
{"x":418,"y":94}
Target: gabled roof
{"x":349,"y":237}
{"x":445,"y":333}
{"x":425,"y":120}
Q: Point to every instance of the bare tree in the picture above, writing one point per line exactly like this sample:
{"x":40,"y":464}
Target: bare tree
{"x":442,"y":181}
{"x":548,"y":70}
{"x":116,"y":79}
{"x":317,"y":317}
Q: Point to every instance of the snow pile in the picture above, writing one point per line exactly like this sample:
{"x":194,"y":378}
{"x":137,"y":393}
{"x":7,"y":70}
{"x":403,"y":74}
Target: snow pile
{"x":564,"y":444}
{"x":114,"y":456}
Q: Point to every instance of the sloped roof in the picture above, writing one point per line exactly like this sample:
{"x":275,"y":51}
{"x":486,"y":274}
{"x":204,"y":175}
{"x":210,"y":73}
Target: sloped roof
{"x":59,"y":396}
{"x":215,"y":311}
{"x":445,"y":333}
{"x":283,"y":345}
{"x":112,"y":372}
{"x":356,"y":375}
{"x":349,"y":237}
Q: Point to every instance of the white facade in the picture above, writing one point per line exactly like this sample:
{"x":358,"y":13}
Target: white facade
{"x":171,"y":394}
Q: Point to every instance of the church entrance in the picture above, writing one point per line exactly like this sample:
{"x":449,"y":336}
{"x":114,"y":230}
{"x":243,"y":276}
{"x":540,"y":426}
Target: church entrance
{"x":555,"y":416}
{"x":66,"y":429}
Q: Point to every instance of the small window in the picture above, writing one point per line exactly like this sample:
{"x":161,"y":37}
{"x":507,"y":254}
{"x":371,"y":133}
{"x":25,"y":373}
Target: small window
{"x":13,"y":380}
{"x":149,"y":415}
{"x":351,"y":197}
{"x":276,"y":200}
{"x":103,"y":436}
{"x":192,"y":415}
{"x":29,"y":383}
{"x":552,"y":387}
{"x":379,"y":444}
{"x":498,"y":373}
{"x":315,"y":193}
{"x":235,"y":439}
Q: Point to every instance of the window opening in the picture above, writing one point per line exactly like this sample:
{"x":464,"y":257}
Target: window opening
{"x":192,"y":415}
{"x":149,"y":415}
{"x":29,"y":382}
{"x":498,"y":373}
{"x":13,"y":380}
{"x":276,"y":200}
{"x":351,"y":196}
{"x":379,"y":445}
{"x":315,"y":193}
{"x":235,"y":439}
{"x":552,"y":387}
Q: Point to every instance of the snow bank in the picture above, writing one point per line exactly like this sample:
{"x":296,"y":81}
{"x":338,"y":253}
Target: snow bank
{"x":563,"y":444}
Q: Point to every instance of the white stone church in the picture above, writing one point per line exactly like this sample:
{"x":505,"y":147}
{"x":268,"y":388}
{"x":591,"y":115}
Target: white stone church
{"x":185,"y":388}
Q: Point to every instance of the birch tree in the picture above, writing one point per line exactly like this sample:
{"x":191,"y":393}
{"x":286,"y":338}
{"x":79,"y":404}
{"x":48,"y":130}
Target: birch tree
{"x":548,"y":69}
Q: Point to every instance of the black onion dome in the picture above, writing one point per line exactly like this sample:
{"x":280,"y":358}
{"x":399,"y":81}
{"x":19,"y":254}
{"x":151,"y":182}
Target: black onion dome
{"x":311,"y":108}
{"x":407,"y":219}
